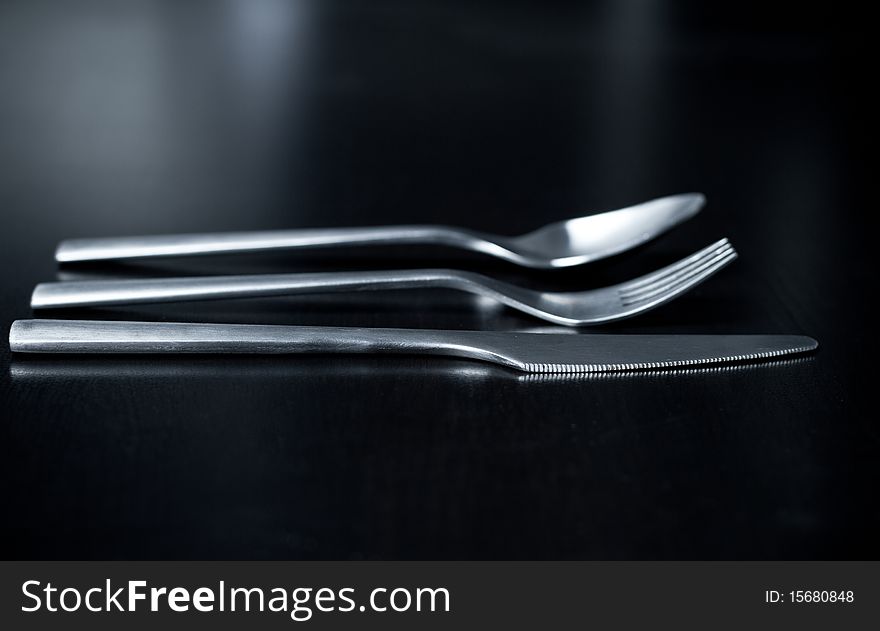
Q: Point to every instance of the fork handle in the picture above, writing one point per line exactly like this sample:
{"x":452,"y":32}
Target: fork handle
{"x":153,"y":290}
{"x":116,"y":248}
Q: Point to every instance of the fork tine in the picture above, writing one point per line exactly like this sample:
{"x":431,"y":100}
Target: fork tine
{"x":663,"y":275}
{"x":679,"y":288}
{"x":678,"y":279}
{"x":672,"y":290}
{"x":671,"y":278}
{"x":669,"y":269}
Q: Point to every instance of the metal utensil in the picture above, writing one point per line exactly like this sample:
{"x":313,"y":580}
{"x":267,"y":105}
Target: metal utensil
{"x":529,"y":352}
{"x":561,"y":244}
{"x":570,"y":308}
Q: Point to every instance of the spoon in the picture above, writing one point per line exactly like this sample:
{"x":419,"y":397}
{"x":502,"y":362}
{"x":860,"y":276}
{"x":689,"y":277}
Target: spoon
{"x":560,"y":244}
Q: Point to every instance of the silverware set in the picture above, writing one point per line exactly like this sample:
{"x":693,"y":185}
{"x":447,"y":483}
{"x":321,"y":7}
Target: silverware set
{"x":557,"y":245}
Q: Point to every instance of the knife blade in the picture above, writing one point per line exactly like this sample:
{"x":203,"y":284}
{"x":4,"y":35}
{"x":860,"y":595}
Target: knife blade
{"x":528,"y":352}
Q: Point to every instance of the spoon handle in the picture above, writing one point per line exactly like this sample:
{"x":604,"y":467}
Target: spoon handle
{"x":117,"y":248}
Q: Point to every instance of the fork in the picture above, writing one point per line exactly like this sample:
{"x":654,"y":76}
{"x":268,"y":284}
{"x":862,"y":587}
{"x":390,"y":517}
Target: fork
{"x":594,"y":306}
{"x":560,"y":244}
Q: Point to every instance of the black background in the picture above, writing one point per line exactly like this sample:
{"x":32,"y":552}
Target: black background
{"x":138,"y":118}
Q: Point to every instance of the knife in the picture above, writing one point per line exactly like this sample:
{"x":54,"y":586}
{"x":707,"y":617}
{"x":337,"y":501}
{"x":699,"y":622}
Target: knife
{"x":528,"y":352}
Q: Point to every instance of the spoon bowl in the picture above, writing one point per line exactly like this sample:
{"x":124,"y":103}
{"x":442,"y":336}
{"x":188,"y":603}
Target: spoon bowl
{"x":585,"y":239}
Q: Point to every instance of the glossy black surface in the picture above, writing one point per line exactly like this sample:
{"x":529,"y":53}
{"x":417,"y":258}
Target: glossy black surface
{"x":127,"y":118}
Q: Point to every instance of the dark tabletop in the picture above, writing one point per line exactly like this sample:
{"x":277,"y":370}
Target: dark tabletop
{"x":142,"y":118}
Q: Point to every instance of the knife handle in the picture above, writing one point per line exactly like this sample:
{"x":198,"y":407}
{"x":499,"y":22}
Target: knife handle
{"x":120,"y":337}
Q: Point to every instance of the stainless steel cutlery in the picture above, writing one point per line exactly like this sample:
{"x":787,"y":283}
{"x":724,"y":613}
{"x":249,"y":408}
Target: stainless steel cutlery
{"x":528,"y":352}
{"x":569,"y":308}
{"x":561,"y":244}
{"x":556,"y":245}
